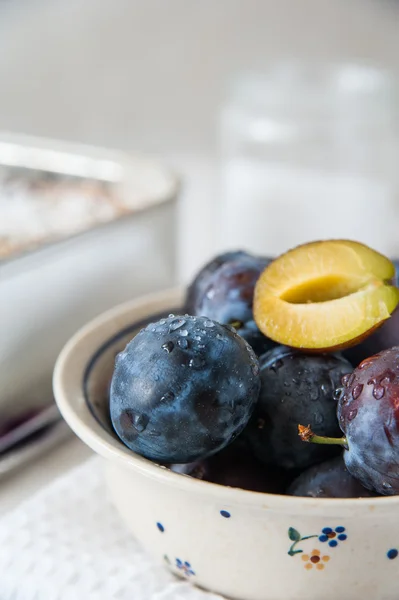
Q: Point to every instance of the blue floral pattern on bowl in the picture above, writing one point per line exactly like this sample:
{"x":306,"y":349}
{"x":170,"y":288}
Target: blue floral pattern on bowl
{"x":331,"y":536}
{"x":184,"y":567}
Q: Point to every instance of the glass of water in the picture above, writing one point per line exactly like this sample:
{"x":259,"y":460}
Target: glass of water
{"x":310,"y":153}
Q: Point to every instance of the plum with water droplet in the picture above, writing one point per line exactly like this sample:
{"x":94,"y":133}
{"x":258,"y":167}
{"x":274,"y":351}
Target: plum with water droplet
{"x":183,"y":389}
{"x":199,"y":284}
{"x":368,"y":413}
{"x":295,"y":388}
{"x":224,"y":289}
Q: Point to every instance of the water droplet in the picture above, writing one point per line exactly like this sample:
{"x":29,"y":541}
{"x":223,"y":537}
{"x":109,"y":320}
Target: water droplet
{"x":341,"y":419}
{"x":140,"y":422}
{"x":276,"y":365}
{"x":153,"y":329}
{"x":171,"y":316}
{"x":168,"y":397}
{"x":162,"y":321}
{"x":209,"y":324}
{"x":187,"y":315}
{"x":156,"y":377}
{"x":386,"y":485}
{"x":344,"y":400}
{"x":176,"y":324}
{"x":345,"y":379}
{"x":357,"y":390}
{"x":324,"y":388}
{"x":197,"y":362}
{"x":201,"y":346}
{"x":182,"y":343}
{"x":352,"y":414}
{"x":365,"y":363}
{"x":230,"y":328}
{"x":337,"y":393}
{"x":183,"y":332}
{"x":198,"y":338}
{"x":219,"y":336}
{"x":168,"y":347}
{"x":387,"y":377}
{"x":378,"y":392}
{"x":255,"y":369}
{"x":210,"y":293}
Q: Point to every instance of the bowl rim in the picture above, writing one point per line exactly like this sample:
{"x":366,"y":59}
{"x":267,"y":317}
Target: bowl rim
{"x":68,"y":386}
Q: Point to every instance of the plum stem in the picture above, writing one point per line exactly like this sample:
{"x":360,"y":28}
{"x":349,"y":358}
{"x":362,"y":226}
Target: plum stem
{"x":306,"y":434}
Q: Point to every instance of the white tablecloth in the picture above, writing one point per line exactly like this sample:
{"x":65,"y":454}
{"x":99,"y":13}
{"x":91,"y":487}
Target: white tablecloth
{"x":68,"y":543}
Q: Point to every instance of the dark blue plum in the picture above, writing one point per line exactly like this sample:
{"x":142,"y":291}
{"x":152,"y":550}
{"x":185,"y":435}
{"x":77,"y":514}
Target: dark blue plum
{"x":183,"y":389}
{"x":235,"y":466}
{"x":295,"y":388}
{"x":225,"y":294}
{"x":368,"y":412}
{"x":330,"y":479}
{"x":383,"y":338}
{"x":199,"y":284}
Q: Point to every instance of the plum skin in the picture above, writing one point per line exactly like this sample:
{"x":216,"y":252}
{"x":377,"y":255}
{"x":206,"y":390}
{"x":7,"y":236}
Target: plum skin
{"x":368,"y":413}
{"x":384,"y":337}
{"x":183,"y":389}
{"x":199,"y":284}
{"x":295,"y":388}
{"x":329,"y":479}
{"x":223,"y":291}
{"x":235,"y":466}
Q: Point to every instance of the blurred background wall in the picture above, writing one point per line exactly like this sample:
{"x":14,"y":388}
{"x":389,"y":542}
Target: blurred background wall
{"x":151,"y":75}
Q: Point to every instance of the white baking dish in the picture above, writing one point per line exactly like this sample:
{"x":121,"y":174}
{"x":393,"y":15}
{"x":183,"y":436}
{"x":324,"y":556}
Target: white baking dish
{"x":48,"y":292}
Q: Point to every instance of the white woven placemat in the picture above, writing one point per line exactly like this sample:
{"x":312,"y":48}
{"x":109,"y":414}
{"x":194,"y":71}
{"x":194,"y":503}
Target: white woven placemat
{"x":69,"y":543}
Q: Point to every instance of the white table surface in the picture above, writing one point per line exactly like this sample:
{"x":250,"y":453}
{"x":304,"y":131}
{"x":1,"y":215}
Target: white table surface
{"x":22,"y":484}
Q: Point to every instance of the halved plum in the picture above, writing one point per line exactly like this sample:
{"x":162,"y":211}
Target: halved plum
{"x":325,"y":295}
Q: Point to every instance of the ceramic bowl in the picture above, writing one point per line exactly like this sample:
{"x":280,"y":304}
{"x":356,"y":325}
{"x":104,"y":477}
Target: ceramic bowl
{"x":242,"y":544}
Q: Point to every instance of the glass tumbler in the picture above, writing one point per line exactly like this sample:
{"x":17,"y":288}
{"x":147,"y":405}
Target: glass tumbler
{"x":310,"y":153}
